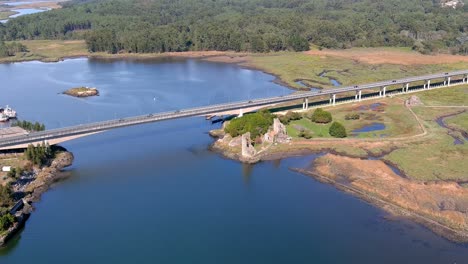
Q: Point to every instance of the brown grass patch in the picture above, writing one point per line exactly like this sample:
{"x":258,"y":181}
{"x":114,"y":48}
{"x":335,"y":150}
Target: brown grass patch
{"x":389,"y":56}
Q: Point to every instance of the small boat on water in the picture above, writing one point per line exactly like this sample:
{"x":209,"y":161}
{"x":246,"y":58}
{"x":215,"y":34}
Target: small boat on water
{"x":3,"y":117}
{"x":8,"y":111}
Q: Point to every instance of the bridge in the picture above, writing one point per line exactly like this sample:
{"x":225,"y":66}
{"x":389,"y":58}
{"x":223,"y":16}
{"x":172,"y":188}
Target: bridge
{"x":380,"y":89}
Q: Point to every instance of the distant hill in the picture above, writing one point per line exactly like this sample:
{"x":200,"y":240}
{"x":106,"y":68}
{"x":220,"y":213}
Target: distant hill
{"x":143,"y":26}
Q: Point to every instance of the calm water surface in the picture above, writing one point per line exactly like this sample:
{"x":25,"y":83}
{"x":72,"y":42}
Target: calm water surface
{"x":155,"y":194}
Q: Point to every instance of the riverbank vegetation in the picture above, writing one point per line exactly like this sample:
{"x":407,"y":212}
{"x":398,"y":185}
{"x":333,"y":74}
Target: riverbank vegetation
{"x":256,"y":26}
{"x":11,"y":48}
{"x":31,"y":174}
{"x":29,"y":126}
{"x":257,"y":124}
{"x":39,"y":154}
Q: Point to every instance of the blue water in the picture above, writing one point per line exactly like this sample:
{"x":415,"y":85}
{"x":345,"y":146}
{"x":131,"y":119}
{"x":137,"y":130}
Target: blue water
{"x":155,"y":194}
{"x":369,"y":128}
{"x":23,"y":11}
{"x":303,"y":85}
{"x":334,"y":82}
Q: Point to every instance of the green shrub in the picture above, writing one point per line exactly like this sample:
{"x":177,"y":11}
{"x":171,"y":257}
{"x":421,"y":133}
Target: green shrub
{"x":29,"y":125}
{"x":39,"y":154}
{"x":352,"y":116}
{"x":305,"y":134}
{"x":6,"y":221}
{"x":337,"y":130}
{"x":257,"y":124}
{"x":5,"y":196}
{"x":321,"y":116}
{"x":289,"y":116}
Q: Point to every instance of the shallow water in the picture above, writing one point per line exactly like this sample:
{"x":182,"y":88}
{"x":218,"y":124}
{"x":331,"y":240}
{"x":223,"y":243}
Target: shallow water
{"x":369,"y":128}
{"x":155,"y":194}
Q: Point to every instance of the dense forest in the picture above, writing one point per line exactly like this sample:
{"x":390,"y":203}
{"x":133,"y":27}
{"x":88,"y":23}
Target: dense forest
{"x":248,"y":25}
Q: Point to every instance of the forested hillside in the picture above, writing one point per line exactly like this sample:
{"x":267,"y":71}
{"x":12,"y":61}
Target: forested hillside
{"x":248,"y":25}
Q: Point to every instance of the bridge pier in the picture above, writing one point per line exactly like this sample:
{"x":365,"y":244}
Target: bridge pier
{"x":407,"y":87}
{"x":332,"y":99}
{"x":428,"y":84}
{"x":465,"y":79}
{"x":305,"y":104}
{"x":448,"y":81}
{"x":358,"y":95}
{"x":382,"y":91}
{"x":241,"y":113}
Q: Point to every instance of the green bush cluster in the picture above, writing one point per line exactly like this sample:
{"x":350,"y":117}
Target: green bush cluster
{"x":257,"y":124}
{"x":321,"y":116}
{"x":305,"y":134}
{"x":6,"y":221}
{"x":29,"y":125}
{"x":352,"y":116}
{"x":11,"y":49}
{"x":5,"y":196}
{"x":15,"y":172}
{"x":289,"y":116}
{"x":337,"y":130}
{"x":39,"y":154}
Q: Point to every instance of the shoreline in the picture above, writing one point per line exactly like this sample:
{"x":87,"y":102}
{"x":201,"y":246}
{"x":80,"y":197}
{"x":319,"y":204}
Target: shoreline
{"x":43,"y":181}
{"x":444,"y":231}
{"x":437,"y":224}
{"x":438,"y":228}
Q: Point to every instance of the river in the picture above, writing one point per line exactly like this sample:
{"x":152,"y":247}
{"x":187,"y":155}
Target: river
{"x":155,"y":194}
{"x":23,"y":11}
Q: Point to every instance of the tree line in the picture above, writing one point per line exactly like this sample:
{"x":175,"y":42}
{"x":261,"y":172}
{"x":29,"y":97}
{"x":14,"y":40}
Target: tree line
{"x":143,"y":26}
{"x":29,"y":126}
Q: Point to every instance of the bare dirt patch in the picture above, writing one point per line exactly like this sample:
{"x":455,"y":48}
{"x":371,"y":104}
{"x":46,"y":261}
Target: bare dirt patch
{"x":384,"y":56}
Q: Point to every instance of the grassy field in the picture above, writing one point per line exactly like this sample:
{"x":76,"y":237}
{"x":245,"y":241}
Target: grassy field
{"x":49,"y":50}
{"x":290,"y":67}
{"x":6,"y":14}
{"x":429,"y":156}
{"x":436,"y":157}
{"x":9,"y":160}
{"x":459,"y":121}
{"x":391,"y":112}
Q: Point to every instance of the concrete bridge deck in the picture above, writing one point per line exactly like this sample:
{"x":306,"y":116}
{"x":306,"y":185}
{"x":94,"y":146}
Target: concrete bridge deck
{"x":55,"y":136}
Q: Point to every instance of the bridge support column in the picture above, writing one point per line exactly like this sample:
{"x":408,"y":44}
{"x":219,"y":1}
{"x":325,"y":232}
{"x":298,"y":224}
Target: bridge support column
{"x":448,"y":81}
{"x":305,"y":104}
{"x":333,"y":99}
{"x":241,"y":113}
{"x":384,"y":91}
{"x":360,"y":95}
{"x":407,"y":87}
{"x":465,"y":79}
{"x":428,"y":84}
{"x":445,"y":81}
{"x":356,"y":96}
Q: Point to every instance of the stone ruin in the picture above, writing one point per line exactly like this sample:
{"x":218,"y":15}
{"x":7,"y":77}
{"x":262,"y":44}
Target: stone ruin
{"x":413,"y":101}
{"x":248,"y":150}
{"x":278,"y":134}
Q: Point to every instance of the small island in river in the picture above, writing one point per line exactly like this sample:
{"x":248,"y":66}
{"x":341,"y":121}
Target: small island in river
{"x":82,"y":92}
